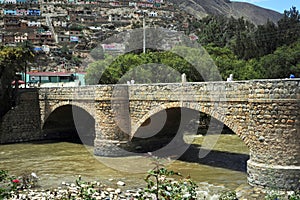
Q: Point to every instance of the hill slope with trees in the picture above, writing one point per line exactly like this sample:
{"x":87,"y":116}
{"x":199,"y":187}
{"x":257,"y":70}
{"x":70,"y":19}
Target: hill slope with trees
{"x":236,"y":46}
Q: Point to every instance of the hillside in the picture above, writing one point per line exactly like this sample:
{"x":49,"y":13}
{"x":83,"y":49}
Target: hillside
{"x":67,"y":30}
{"x":201,"y":8}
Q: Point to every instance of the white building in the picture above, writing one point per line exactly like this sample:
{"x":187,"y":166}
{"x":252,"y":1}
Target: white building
{"x":21,"y":37}
{"x":10,"y":1}
{"x":153,"y":14}
{"x":34,"y":24}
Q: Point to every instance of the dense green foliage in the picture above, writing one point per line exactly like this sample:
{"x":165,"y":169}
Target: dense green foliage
{"x":280,"y":64}
{"x":152,"y":67}
{"x":6,"y":184}
{"x":249,"y":52}
{"x":246,"y":40}
{"x":236,"y":47}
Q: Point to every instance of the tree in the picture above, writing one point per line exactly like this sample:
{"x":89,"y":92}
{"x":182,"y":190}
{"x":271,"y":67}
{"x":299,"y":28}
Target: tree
{"x":95,"y":71}
{"x":289,"y":27}
{"x":283,"y":62}
{"x":152,"y":67}
{"x":12,"y":60}
{"x":266,"y":39}
{"x":228,"y":63}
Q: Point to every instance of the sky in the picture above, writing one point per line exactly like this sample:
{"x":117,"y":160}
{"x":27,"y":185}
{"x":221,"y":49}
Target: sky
{"x":277,"y":5}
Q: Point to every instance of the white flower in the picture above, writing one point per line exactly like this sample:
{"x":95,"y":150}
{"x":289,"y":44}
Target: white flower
{"x":186,"y":195}
{"x":169,"y":188}
{"x":34,"y":175}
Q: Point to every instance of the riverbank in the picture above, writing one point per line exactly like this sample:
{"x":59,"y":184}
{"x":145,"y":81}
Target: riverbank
{"x":99,"y":191}
{"x":56,"y":162}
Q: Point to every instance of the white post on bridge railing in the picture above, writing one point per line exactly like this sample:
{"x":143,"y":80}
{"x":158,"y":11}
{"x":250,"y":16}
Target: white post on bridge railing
{"x":183,"y":78}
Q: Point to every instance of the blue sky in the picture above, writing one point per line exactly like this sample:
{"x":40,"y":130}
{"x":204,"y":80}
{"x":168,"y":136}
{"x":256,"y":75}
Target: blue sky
{"x":277,"y":5}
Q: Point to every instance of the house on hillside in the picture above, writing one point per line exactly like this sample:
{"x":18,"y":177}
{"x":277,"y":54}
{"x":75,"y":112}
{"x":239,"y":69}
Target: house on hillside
{"x":9,"y":12}
{"x":21,"y":37}
{"x":21,"y":12}
{"x":152,"y":14}
{"x":11,"y":23}
{"x":34,"y":24}
{"x":114,"y":18}
{"x":33,"y":12}
{"x":54,"y":79}
{"x":59,"y":22}
{"x":8,"y":38}
{"x":63,"y":38}
{"x":21,"y":1}
{"x":41,"y":38}
{"x":10,"y":1}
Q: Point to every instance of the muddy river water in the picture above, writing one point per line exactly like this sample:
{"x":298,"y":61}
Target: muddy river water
{"x":223,"y":168}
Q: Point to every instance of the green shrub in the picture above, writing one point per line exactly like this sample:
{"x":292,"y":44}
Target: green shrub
{"x":8,"y":184}
{"x":168,"y":185}
{"x":295,"y":196}
{"x":87,"y":190}
{"x":228,"y":195}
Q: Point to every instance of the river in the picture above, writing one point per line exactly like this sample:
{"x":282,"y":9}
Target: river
{"x":54,"y":162}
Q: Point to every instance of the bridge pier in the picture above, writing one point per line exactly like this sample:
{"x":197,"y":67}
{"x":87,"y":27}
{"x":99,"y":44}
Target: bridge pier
{"x":273,"y":176}
{"x":113,"y":123}
{"x":108,"y":146}
{"x":274,"y":131}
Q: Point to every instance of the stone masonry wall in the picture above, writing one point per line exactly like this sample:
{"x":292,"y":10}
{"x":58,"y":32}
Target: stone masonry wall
{"x":274,"y":129}
{"x":52,"y":98}
{"x":274,"y":122}
{"x":227,"y":102}
{"x":111,"y":104}
{"x":22,"y":123}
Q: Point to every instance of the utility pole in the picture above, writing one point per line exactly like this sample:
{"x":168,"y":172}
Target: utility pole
{"x":144,"y":34}
{"x":25,"y":63}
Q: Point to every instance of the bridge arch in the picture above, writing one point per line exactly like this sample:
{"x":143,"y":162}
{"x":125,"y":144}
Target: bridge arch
{"x":88,"y":107}
{"x":70,"y":121}
{"x":211,"y":111}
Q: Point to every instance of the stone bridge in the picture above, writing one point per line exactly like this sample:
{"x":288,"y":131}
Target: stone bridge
{"x":263,"y":113}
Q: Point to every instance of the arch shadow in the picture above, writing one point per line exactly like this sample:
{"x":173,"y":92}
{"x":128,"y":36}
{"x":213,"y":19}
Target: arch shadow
{"x":70,"y":123}
{"x":215,"y":158}
{"x":197,"y":126}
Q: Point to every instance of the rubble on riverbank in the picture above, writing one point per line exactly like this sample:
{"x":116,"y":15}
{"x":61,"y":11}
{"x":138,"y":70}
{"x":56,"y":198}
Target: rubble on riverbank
{"x":84,"y":190}
{"x":98,"y":191}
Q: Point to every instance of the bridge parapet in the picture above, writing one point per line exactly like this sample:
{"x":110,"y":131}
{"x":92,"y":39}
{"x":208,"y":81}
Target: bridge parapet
{"x":275,"y":90}
{"x":199,"y":91}
{"x":67,"y":93}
